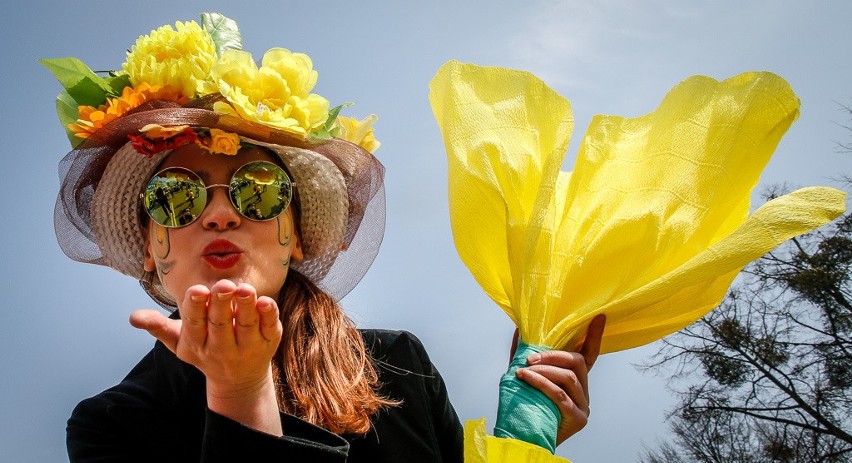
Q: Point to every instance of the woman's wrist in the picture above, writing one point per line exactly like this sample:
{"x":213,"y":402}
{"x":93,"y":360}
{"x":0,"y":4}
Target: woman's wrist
{"x":253,"y":403}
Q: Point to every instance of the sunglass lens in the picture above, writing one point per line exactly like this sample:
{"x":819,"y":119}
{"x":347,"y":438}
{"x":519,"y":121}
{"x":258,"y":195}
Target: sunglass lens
{"x":175,"y":197}
{"x":261,"y":190}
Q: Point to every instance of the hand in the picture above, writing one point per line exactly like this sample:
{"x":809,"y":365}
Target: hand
{"x":231,"y":335}
{"x":563,"y":378}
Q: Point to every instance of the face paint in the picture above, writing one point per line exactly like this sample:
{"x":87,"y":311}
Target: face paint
{"x":163,"y":268}
{"x":162,"y":248}
{"x":285,"y":236}
{"x":285,"y":230}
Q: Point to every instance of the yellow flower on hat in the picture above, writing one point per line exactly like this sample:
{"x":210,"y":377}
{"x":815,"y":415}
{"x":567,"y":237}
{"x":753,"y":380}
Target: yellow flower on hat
{"x":276,"y":94}
{"x":295,"y":68}
{"x":358,"y":132}
{"x":179,"y":58}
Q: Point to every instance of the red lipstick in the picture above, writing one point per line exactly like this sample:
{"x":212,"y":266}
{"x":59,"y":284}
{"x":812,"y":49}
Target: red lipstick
{"x":221,"y":254}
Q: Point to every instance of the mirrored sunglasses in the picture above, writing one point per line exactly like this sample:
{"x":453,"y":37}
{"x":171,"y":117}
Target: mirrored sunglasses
{"x":175,"y":197}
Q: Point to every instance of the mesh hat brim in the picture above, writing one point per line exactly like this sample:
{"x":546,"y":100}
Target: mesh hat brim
{"x":98,"y":215}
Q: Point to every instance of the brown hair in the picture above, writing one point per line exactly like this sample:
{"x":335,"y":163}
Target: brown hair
{"x":324,"y":373}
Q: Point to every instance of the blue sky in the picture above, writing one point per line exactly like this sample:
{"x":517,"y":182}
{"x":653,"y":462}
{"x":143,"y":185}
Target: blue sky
{"x":65,"y":334}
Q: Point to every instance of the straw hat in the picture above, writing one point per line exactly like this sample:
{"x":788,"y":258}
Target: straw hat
{"x":99,"y":216}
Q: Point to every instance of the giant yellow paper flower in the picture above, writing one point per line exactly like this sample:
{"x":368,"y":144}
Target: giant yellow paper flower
{"x":650,"y":228}
{"x":176,"y":58}
{"x":276,"y":95}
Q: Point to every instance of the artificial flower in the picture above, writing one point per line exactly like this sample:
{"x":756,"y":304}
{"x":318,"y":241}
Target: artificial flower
{"x":650,"y":229}
{"x":149,"y":146}
{"x":275,"y":95}
{"x":188,"y":61}
{"x":358,"y":132}
{"x":91,"y":119}
{"x":176,"y":58}
{"x":220,"y":141}
{"x":158,"y":131}
{"x":295,"y":68}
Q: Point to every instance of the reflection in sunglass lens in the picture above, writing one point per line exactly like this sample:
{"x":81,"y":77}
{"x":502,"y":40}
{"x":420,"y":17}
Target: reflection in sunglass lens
{"x":260,"y":190}
{"x":175,"y":197}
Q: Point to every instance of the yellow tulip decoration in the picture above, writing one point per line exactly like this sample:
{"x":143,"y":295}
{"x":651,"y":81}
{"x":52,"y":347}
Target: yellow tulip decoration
{"x":650,"y":228}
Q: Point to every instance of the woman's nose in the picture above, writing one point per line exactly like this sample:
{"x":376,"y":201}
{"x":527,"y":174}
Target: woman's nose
{"x":219,"y":214}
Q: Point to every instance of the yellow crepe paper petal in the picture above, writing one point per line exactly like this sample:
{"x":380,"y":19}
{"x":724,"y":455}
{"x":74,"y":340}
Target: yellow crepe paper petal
{"x":482,"y":448}
{"x":652,"y":226}
{"x":689,"y":291}
{"x":499,"y":160}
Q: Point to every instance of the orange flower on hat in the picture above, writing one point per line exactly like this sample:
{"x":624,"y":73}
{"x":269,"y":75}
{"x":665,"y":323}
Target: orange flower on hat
{"x":220,"y":141}
{"x":91,"y":119}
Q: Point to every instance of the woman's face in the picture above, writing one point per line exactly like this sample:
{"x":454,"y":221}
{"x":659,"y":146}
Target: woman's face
{"x":221,"y":244}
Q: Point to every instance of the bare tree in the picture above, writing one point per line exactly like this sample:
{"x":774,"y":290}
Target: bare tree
{"x":841,"y":146}
{"x":767,"y":376}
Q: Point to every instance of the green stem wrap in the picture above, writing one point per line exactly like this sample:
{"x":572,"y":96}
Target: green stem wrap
{"x":524,"y":413}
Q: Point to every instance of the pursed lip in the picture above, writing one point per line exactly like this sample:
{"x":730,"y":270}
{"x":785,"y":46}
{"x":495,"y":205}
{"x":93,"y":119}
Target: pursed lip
{"x":221,"y":253}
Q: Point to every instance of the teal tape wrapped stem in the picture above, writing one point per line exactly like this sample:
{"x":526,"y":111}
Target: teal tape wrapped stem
{"x":524,"y":413}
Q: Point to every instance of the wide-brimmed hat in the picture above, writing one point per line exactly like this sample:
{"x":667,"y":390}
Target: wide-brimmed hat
{"x":99,"y":216}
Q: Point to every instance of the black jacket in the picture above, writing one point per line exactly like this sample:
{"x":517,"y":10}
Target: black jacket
{"x":159,"y":413}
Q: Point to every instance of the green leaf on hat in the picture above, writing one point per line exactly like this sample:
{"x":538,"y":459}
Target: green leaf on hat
{"x":83,"y":85}
{"x":334,"y":112}
{"x":328,"y":129}
{"x":118,"y":82}
{"x":320,"y":134}
{"x":67,"y":109}
{"x":223,"y":30}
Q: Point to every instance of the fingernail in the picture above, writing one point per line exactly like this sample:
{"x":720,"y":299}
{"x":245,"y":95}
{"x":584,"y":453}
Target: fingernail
{"x":264,"y":307}
{"x":198,"y":298}
{"x":533,"y":359}
{"x":244,"y":298}
{"x":223,"y":296}
{"x":519,"y":373}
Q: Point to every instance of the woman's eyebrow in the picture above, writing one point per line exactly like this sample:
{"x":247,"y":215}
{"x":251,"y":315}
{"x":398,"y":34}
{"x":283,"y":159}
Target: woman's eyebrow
{"x":204,"y":174}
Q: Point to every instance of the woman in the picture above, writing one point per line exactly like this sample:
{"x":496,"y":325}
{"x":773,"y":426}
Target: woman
{"x":184,"y":182}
